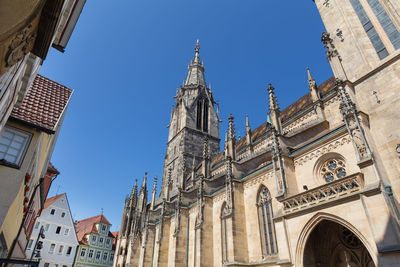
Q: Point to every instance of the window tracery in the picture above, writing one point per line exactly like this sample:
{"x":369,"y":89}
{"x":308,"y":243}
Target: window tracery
{"x":333,"y":169}
{"x":267,"y":228}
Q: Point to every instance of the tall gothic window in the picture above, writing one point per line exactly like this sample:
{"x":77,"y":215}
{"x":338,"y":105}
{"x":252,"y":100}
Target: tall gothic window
{"x":267,"y":229}
{"x":205,"y":116}
{"x":198,"y":118}
{"x":370,"y":29}
{"x":224,"y":237}
{"x":385,"y":21}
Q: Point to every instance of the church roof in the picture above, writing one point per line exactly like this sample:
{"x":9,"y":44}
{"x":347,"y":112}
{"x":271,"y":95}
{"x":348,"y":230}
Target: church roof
{"x":195,"y":74}
{"x":286,"y":114}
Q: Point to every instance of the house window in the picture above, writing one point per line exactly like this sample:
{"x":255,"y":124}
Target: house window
{"x":105,"y":256}
{"x":55,"y":265}
{"x":58,"y":229}
{"x":30,"y":244}
{"x":46,"y":264}
{"x":83,"y":252}
{"x":52,"y":211}
{"x":52,"y":247}
{"x":13,"y":145}
{"x":103,"y":228}
{"x":60,"y":249}
{"x":333,"y":169}
{"x":63,"y":215}
{"x":94,"y":238}
{"x":37,"y":225}
{"x":111,"y":257}
{"x":98,"y":254}
{"x":66,"y":231}
{"x":108,"y":242}
{"x":90,"y":255}
{"x":101,"y":240}
{"x":69,"y":251}
{"x":46,"y":228}
{"x":267,"y":228}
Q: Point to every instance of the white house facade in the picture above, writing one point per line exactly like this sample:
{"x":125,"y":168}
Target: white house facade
{"x":60,"y":242}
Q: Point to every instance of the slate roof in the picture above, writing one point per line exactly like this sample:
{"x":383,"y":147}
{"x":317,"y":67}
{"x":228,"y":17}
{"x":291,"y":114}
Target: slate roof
{"x":51,"y":200}
{"x":43,"y":104}
{"x":87,"y":226}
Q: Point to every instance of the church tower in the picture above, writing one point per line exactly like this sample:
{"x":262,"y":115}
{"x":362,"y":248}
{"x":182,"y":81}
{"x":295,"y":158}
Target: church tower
{"x":193,"y":119}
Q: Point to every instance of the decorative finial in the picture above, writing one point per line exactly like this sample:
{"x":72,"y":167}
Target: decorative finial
{"x":273,"y":104}
{"x":311,"y":81}
{"x":231,"y":129}
{"x":197,"y":47}
{"x":205,"y":148}
{"x":155,"y":183}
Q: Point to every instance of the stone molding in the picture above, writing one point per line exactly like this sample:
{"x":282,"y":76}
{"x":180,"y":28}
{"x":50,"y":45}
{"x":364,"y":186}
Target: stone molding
{"x":258,"y":180}
{"x":315,"y":153}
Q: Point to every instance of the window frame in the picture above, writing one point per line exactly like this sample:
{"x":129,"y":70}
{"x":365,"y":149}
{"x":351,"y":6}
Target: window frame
{"x":24,"y":148}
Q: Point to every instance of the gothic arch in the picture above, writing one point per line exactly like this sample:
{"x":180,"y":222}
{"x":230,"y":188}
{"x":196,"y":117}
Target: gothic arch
{"x":313,"y":222}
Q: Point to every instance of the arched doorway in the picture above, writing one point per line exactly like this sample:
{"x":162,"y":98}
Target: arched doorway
{"x":333,"y":245}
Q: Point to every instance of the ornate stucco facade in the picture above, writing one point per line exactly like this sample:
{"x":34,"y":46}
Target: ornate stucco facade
{"x":317,"y":185}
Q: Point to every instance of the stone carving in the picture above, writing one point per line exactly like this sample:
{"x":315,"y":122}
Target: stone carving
{"x":329,"y":46}
{"x":339,"y":34}
{"x":334,"y":190}
{"x":357,"y":137}
{"x":20,"y":46}
{"x":229,"y":187}
{"x":350,"y":117}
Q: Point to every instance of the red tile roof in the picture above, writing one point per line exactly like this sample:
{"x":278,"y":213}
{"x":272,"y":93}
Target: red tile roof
{"x":87,"y":226}
{"x":51,"y":200}
{"x":43,"y":104}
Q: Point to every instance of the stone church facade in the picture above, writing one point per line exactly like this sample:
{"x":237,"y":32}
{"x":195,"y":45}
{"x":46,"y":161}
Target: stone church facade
{"x":316,"y":185}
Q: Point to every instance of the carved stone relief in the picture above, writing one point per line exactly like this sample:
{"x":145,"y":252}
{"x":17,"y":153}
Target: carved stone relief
{"x":20,"y":46}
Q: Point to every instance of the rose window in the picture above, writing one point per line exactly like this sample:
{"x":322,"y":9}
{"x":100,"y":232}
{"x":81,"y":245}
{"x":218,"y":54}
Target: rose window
{"x":333,"y":169}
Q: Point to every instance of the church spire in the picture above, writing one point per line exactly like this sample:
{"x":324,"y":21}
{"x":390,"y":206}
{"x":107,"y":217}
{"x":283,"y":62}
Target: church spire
{"x":312,"y":85}
{"x":195,"y":74}
{"x":274,"y":109}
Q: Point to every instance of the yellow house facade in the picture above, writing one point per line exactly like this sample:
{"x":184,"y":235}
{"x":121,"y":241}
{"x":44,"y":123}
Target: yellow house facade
{"x":28,"y":141}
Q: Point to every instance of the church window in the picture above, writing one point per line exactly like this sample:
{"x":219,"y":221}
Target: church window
{"x":387,"y":24}
{"x":198,"y":119}
{"x":267,"y":228}
{"x":333,"y":169}
{"x":369,"y":29}
{"x":205,"y":116}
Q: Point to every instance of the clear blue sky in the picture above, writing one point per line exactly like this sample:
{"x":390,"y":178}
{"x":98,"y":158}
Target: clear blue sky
{"x":125,"y":60}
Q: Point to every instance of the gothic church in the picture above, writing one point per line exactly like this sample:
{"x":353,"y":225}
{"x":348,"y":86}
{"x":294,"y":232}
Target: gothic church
{"x":316,"y":185}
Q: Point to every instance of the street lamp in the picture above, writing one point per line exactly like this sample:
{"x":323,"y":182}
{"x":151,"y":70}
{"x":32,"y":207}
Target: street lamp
{"x":38,"y":244}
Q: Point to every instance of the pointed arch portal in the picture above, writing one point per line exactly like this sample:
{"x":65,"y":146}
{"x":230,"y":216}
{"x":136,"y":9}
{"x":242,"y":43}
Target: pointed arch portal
{"x":332,"y":244}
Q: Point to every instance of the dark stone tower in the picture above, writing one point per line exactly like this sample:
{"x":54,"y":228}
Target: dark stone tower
{"x":193,"y":119}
